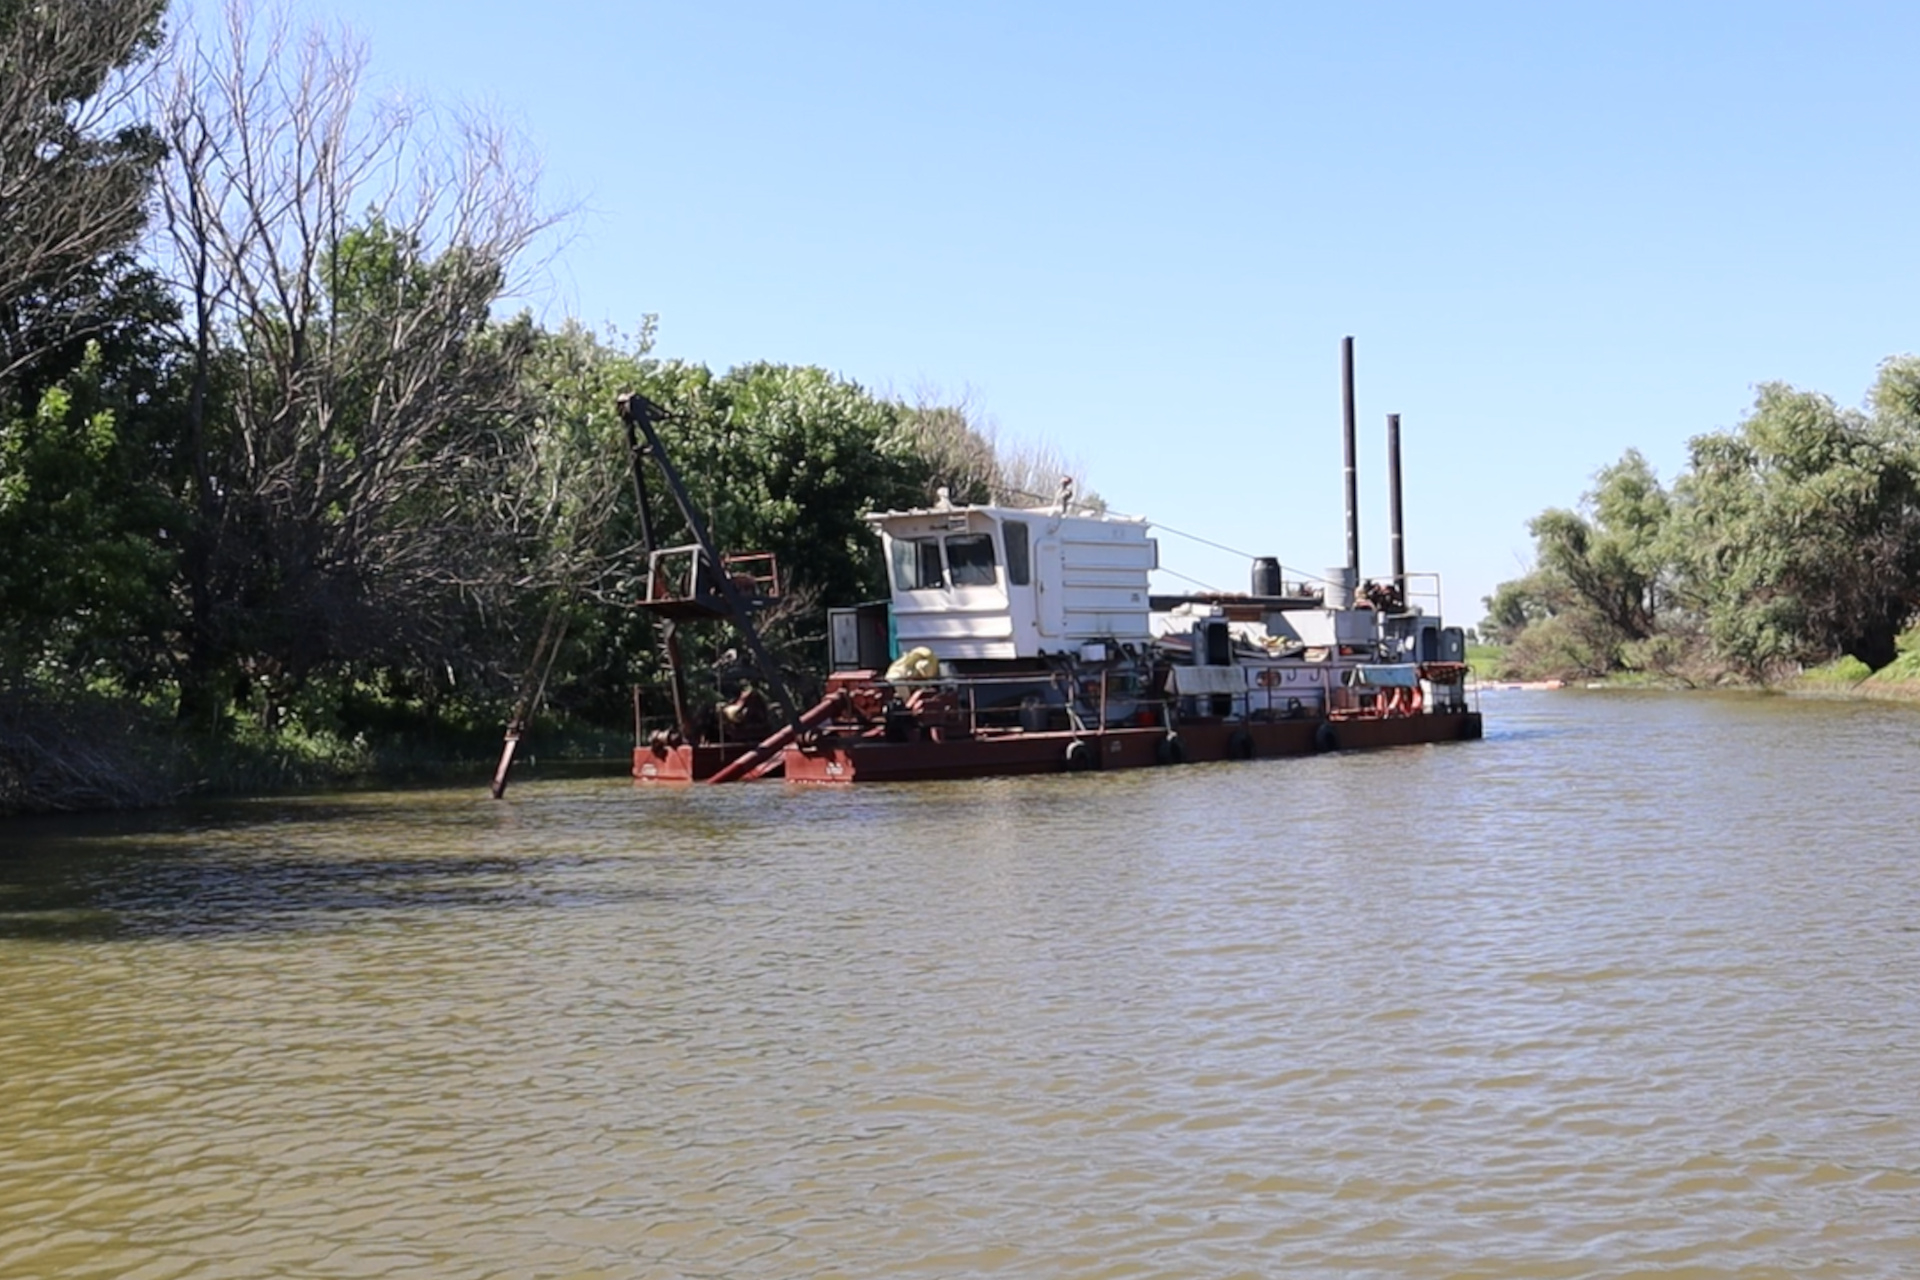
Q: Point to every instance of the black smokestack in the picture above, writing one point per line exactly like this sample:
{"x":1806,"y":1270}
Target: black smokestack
{"x":1353,"y":486}
{"x":1393,"y":505}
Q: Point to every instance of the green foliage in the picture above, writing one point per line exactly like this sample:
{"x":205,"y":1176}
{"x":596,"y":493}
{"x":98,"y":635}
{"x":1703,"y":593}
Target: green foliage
{"x":1904,"y":670}
{"x":1514,"y":606}
{"x":1610,"y":562}
{"x":365,"y":455}
{"x":1561,"y":647}
{"x":788,"y":459}
{"x":1790,"y":541}
{"x":1801,"y":529}
{"x":83,"y":583}
{"x":775,"y":458}
{"x":1843,"y":671}
{"x":1594,"y":595}
{"x":324,"y":527}
{"x":85,"y":515}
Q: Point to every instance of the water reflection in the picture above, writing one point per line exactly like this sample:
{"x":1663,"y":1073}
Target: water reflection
{"x":282,"y":864}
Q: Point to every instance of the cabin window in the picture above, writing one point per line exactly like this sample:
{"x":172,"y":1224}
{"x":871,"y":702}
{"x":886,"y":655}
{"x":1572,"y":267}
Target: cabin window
{"x":916,"y":564}
{"x":1019,"y":565}
{"x":970,"y":560}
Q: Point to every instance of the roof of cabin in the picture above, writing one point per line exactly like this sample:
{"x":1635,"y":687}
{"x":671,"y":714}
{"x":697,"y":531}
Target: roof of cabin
{"x":1000,"y":512}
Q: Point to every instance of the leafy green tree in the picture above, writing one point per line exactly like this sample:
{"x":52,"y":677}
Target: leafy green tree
{"x":1801,"y":528}
{"x":84,"y":457}
{"x":1612,"y":559}
{"x":86,"y":520}
{"x":1595,"y":593}
{"x":1516,"y":605}
{"x":791,"y":459}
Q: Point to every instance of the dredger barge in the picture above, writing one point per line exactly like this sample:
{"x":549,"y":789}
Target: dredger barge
{"x":1022,"y":640}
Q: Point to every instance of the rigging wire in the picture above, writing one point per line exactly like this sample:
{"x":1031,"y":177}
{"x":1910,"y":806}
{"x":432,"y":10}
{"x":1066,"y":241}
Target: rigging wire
{"x":1301,"y":574}
{"x":1187,"y":577}
{"x":1178,"y":533}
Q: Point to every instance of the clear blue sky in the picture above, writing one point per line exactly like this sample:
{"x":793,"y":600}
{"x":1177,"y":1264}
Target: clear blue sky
{"x":1139,"y":232}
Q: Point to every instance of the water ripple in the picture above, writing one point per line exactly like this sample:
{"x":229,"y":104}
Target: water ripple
{"x":1628,"y":989}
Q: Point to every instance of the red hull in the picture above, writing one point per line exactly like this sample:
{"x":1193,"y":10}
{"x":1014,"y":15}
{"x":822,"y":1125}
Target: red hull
{"x":684,"y":763}
{"x":875,"y":760}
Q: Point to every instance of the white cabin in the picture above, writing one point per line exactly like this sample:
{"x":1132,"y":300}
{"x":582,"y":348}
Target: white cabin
{"x":1009,"y":582}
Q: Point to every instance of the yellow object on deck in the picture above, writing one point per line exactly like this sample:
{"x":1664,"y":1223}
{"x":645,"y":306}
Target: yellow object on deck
{"x":915,"y":664}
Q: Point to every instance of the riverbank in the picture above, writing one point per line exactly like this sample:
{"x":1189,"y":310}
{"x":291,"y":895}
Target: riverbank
{"x":1807,"y":685}
{"x":1870,"y":690}
{"x":112,"y":755}
{"x":77,"y":756}
{"x":1845,"y":678}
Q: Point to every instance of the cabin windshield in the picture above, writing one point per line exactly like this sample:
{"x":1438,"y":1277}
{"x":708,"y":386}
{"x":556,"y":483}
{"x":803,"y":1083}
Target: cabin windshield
{"x":970,"y":560}
{"x":931,"y":563}
{"x":916,"y":564}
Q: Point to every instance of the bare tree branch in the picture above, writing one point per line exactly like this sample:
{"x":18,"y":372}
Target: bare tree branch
{"x":75,"y":163}
{"x":339,"y":256}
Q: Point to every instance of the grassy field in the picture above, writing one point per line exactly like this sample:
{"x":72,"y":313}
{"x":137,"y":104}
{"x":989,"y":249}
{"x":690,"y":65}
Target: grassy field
{"x":1484,"y":659}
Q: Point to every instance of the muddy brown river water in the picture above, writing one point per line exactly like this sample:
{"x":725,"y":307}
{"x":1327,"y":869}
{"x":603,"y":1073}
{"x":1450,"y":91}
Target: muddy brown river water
{"x":1631,"y":988}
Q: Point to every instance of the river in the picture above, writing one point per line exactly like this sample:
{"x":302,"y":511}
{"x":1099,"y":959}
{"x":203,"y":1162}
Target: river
{"x":1630,"y":988}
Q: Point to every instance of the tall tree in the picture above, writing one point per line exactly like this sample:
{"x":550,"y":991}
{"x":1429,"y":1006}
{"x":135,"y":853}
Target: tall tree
{"x":338,"y":261}
{"x":76,"y":166}
{"x":1611,"y":557}
{"x":1802,"y":527}
{"x":83,"y":511}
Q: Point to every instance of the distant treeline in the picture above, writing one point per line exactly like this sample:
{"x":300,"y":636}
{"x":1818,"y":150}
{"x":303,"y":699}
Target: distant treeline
{"x":282,"y":492}
{"x":1789,"y":542}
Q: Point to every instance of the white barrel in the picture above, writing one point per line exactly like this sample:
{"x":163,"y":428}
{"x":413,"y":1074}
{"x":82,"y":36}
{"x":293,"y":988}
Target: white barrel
{"x":1340,"y":585}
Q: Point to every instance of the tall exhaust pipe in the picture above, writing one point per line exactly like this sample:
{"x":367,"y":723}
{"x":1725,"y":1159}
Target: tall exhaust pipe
{"x":1353,"y":486}
{"x":1393,"y":506}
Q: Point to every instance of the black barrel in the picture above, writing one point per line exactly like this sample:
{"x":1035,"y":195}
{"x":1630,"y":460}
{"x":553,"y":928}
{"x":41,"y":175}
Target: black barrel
{"x":1266,"y":576}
